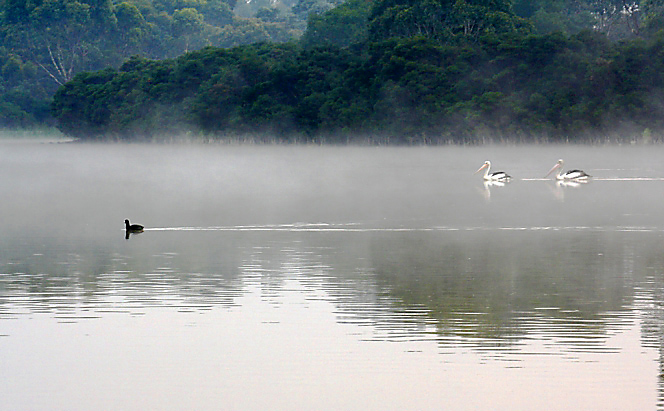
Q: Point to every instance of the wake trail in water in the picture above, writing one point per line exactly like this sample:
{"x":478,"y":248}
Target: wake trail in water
{"x":630,"y":179}
{"x":315,"y":227}
{"x":603,"y":179}
{"x":357,"y":228}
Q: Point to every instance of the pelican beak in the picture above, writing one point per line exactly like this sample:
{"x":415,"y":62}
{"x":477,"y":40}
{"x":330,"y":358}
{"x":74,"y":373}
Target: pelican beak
{"x":552,"y":170}
{"x":481,"y":168}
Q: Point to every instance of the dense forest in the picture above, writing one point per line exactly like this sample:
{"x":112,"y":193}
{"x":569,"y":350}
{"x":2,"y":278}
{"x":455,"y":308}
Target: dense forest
{"x":45,"y":43}
{"x":402,"y":71}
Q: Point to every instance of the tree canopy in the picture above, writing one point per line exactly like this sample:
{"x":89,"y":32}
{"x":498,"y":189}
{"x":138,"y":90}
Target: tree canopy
{"x":44,"y":43}
{"x":407,"y":71}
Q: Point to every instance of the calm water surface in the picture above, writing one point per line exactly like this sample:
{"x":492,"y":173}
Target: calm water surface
{"x":322,"y":278}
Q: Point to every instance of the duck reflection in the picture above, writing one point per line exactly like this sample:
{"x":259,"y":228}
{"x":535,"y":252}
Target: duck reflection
{"x":130,"y":233}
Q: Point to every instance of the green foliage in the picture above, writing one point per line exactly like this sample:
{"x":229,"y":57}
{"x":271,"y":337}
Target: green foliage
{"x":405,"y":89}
{"x":411,"y":71}
{"x":341,"y":26}
{"x":616,"y":19}
{"x":46,"y":42}
{"x":443,"y":20}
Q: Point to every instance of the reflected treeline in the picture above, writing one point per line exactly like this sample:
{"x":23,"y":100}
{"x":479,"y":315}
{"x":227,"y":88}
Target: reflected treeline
{"x":187,"y":270}
{"x":503,"y":286}
{"x":494,"y":287}
{"x":651,"y":293}
{"x":62,"y":276}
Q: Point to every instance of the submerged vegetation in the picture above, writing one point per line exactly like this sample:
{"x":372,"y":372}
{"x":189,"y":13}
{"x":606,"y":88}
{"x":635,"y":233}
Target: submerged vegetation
{"x":430,"y":71}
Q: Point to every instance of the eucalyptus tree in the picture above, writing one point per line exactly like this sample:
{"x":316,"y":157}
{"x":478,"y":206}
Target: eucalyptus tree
{"x":188,"y":26}
{"x":616,"y":19}
{"x":652,"y":12}
{"x":62,"y":37}
{"x":443,"y":20}
{"x":342,"y":26}
{"x":133,"y":29}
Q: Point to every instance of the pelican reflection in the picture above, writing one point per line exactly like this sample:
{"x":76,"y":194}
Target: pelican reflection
{"x":571,"y":183}
{"x":486,"y":193}
{"x":562,"y":185}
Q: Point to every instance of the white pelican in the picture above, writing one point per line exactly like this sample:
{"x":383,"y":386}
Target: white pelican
{"x":572,"y":175}
{"x":497,"y":176}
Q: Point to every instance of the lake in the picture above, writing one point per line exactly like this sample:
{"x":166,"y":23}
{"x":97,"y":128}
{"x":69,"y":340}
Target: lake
{"x":329,"y":278}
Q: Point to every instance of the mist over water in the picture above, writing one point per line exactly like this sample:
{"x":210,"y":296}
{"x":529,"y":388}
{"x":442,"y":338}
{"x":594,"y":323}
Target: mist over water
{"x":329,"y":278}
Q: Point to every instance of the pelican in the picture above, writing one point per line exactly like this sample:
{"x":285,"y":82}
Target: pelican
{"x":497,"y":176}
{"x":133,"y":228}
{"x":572,"y":175}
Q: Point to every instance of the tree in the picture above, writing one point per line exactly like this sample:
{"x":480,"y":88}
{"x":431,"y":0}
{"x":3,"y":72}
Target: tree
{"x":131,"y":27}
{"x":63,"y":36}
{"x":616,"y":18}
{"x":342,"y":26}
{"x":188,"y":25}
{"x":443,"y":20}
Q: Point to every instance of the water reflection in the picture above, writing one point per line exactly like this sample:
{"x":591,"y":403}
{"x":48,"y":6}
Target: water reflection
{"x":571,"y":183}
{"x":129,"y":233}
{"x":493,"y":291}
{"x":376,"y":268}
{"x":487,"y":187}
{"x":497,"y":291}
{"x":652,"y":327}
{"x":561,"y":186}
